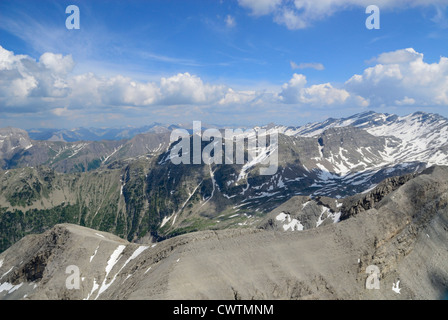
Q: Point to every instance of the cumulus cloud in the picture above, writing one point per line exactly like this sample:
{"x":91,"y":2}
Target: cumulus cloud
{"x":121,"y":90}
{"x":49,"y":83}
{"x":324,"y":94}
{"x":299,"y":14}
{"x":184,"y":88}
{"x":399,"y":56}
{"x":296,"y":91}
{"x":23,"y":78}
{"x":399,"y":78}
{"x":291,"y":91}
{"x":402,"y":77}
{"x":57,"y":63}
{"x":239,"y":97}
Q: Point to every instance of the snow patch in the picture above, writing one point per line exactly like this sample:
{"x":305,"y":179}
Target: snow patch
{"x":115,"y":151}
{"x":165,"y":220}
{"x":94,"y":288}
{"x":396,"y":287}
{"x":9,"y":287}
{"x":94,"y":254}
{"x":289,"y":223}
{"x":113,"y":259}
{"x":6,"y":273}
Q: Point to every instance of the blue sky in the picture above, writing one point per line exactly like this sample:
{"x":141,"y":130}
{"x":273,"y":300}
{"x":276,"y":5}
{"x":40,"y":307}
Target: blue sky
{"x":240,"y":62}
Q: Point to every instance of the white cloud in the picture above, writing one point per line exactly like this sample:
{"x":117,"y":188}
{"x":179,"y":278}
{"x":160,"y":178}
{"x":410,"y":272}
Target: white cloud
{"x":399,"y":56}
{"x":121,"y":91}
{"x":324,"y":94}
{"x":189,"y":89}
{"x":293,"y":65}
{"x":238,"y":97}
{"x":403,"y":78}
{"x":290,"y":18}
{"x":230,"y":21}
{"x":291,"y":91}
{"x":25,"y":82}
{"x":296,"y":92}
{"x":85,"y":91}
{"x":57,"y":63}
{"x":406,"y":101}
{"x":260,"y":7}
{"x":400,"y":78}
{"x":21,"y":77}
{"x":22,"y":87}
{"x":299,"y":14}
{"x":60,"y":111}
{"x":312,"y":65}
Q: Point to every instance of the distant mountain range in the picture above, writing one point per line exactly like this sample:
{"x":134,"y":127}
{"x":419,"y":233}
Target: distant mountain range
{"x":100,"y":134}
{"x":94,"y":134}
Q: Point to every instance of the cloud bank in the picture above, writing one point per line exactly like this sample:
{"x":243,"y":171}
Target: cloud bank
{"x":48,"y":85}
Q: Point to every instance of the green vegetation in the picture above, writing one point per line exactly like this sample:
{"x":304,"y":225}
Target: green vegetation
{"x":79,"y":167}
{"x":94,"y":164}
{"x":25,"y":195}
{"x":15,"y":224}
{"x":193,"y":225}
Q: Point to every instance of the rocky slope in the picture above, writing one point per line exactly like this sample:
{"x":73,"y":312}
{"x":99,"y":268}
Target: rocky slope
{"x":402,"y":231}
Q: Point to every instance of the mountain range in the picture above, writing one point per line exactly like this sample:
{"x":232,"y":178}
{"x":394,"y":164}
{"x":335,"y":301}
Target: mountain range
{"x":129,"y":187}
{"x":99,"y":134}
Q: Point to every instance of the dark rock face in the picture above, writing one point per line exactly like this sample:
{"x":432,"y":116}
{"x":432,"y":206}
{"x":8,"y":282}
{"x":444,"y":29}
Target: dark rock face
{"x":356,"y":204}
{"x":45,"y":249}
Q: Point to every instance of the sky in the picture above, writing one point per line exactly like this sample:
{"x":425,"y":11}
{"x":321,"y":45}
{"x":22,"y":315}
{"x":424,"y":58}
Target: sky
{"x":225,"y":62}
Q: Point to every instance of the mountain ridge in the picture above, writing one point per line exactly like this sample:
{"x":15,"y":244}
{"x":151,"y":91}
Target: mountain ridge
{"x":127,"y":132}
{"x":129,"y":188}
